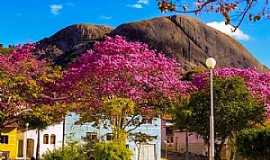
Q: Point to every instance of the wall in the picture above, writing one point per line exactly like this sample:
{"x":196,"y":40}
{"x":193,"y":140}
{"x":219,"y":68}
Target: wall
{"x":56,"y":129}
{"x":12,"y":146}
{"x":196,"y":143}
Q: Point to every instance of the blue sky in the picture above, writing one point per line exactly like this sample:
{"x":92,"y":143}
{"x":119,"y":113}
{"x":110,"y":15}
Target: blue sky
{"x":31,"y":20}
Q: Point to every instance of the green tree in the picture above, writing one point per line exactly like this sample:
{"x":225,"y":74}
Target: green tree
{"x":120,"y":114}
{"x":234,"y":109}
{"x":112,"y":151}
{"x":254,"y":143}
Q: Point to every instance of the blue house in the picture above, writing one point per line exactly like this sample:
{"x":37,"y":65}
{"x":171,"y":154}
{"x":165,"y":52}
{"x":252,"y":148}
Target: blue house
{"x":147,"y":151}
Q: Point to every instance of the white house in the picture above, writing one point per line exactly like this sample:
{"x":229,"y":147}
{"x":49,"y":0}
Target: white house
{"x":50,"y":138}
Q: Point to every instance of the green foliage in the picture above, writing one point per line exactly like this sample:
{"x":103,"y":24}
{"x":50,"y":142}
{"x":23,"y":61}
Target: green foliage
{"x":72,"y":151}
{"x":5,"y":50}
{"x":234,"y":109}
{"x":112,"y":151}
{"x":119,"y":106}
{"x":181,"y":114}
{"x":140,"y":137}
{"x":253,"y":144}
{"x":37,"y":119}
{"x":113,"y":114}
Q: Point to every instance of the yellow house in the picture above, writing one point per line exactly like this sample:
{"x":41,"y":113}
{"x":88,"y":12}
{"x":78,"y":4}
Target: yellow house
{"x":10,"y":142}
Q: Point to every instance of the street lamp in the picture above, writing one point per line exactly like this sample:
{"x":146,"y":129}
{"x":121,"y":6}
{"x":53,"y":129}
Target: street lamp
{"x":211,"y":63}
{"x":25,"y":142}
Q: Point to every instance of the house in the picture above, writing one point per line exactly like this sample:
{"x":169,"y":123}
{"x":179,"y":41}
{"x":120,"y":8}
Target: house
{"x":52,"y":137}
{"x":11,"y":142}
{"x":175,"y":140}
{"x":148,"y":151}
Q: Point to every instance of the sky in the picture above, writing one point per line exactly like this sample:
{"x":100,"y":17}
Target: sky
{"x":23,"y":21}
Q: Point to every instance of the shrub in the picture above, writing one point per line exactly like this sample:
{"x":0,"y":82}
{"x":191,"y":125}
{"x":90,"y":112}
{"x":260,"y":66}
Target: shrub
{"x":112,"y":151}
{"x":70,"y":152}
{"x":254,"y":143}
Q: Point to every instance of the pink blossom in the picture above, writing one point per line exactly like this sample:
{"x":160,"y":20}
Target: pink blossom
{"x":116,"y":67}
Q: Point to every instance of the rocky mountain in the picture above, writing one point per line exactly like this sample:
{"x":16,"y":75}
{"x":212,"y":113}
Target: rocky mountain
{"x":182,"y":37}
{"x":65,"y":45}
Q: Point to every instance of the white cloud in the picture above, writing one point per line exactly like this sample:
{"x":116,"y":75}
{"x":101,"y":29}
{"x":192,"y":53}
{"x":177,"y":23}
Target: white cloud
{"x":228,"y":29}
{"x":139,"y":4}
{"x":56,"y":8}
{"x":105,"y":17}
{"x":143,"y":2}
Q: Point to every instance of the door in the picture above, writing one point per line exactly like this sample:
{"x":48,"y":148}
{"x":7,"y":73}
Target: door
{"x":147,"y":152}
{"x":30,"y":148}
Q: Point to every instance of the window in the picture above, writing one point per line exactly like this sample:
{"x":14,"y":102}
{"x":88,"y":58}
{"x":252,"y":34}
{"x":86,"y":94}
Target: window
{"x":109,"y":136}
{"x":169,"y":139}
{"x":53,"y":138}
{"x":45,"y":139}
{"x":4,"y":139}
{"x":91,"y":136}
{"x":147,"y":120}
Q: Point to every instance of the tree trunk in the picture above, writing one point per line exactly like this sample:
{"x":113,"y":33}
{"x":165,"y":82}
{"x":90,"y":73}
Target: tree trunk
{"x":187,"y":150}
{"x":232,"y":155}
{"x":232,"y":147}
{"x":219,"y":149}
{"x":38,"y":144}
{"x":139,"y":151}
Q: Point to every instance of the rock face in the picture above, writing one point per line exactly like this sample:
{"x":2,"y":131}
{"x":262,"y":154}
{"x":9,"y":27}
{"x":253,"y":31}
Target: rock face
{"x":181,"y":37}
{"x":70,"y":42}
{"x":189,"y":41}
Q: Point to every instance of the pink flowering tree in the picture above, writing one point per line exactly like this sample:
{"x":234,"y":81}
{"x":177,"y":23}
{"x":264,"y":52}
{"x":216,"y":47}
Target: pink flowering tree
{"x":121,"y":69}
{"x":23,"y":83}
{"x":258,"y":83}
{"x":116,"y":67}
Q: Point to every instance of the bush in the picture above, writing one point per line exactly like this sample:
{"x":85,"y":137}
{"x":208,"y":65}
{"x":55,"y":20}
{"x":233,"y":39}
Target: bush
{"x":111,"y":151}
{"x":71,"y":152}
{"x":254,"y":143}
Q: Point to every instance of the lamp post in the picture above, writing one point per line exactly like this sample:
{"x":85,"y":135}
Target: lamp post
{"x":25,"y":142}
{"x":211,"y":63}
